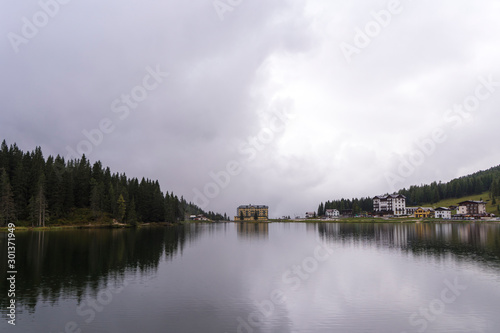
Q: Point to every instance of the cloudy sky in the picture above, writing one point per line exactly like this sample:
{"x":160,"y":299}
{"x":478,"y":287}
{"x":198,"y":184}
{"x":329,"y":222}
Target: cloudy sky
{"x":286,"y":103}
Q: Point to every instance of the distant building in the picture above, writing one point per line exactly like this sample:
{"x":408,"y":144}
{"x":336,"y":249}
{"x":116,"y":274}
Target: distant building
{"x":424,"y":212}
{"x":332,"y":213}
{"x":248,"y":213}
{"x":442,"y":213}
{"x":411,"y":210}
{"x":310,"y":215}
{"x":347,"y":213}
{"x":394,"y":204}
{"x":472,"y":208}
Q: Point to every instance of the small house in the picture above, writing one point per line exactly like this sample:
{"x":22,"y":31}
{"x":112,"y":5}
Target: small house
{"x":331,"y":213}
{"x":442,"y":213}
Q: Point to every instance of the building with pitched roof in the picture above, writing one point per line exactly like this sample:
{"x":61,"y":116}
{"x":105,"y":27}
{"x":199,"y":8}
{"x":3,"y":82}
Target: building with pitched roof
{"x":394,"y":204}
{"x":252,"y":213}
{"x":442,"y":213}
{"x":472,"y":208}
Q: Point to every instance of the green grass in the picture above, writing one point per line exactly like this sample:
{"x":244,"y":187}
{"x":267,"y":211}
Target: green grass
{"x":454,"y":201}
{"x":353,"y":220}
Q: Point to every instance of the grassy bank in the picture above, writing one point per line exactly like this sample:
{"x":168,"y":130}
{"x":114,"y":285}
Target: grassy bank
{"x":490,"y":207}
{"x":377,"y":220}
{"x":82,"y":219}
{"x":352,"y":220}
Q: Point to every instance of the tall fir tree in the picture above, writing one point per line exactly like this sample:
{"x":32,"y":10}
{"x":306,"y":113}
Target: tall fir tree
{"x":121,"y":208}
{"x":7,"y":205}
{"x":131,"y":213}
{"x":38,"y":205}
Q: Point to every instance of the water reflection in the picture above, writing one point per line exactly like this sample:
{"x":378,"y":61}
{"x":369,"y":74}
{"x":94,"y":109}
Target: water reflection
{"x":257,"y":230}
{"x":479,"y":239}
{"x":55,"y":263}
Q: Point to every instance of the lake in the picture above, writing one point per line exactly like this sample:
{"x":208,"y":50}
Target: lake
{"x":257,"y":277}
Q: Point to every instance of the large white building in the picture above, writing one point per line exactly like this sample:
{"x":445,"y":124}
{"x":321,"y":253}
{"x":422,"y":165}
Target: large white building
{"x":472,"y":208}
{"x":442,"y":213}
{"x":394,"y":204}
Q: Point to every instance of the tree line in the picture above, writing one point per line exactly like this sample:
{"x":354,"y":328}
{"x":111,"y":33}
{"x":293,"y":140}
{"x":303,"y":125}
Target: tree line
{"x":416,"y":195}
{"x":356,"y":205}
{"x":476,"y":183}
{"x":42,"y":191}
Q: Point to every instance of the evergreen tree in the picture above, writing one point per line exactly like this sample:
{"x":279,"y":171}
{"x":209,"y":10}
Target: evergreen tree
{"x":7,"y":206}
{"x":82,"y":182}
{"x":38,"y":205}
{"x":121,"y":208}
{"x":32,"y":211}
{"x":20,"y":190}
{"x":110,"y":201}
{"x":321,"y":210}
{"x":169,"y":209}
{"x":96,"y":197}
{"x":55,"y":189}
{"x":131,"y":214}
{"x":68,"y":188}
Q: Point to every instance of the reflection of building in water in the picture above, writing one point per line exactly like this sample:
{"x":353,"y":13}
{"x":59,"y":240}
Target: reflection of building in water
{"x":252,"y":213}
{"x":253,"y":230}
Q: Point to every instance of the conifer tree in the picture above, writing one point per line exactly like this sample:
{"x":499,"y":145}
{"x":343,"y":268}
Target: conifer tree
{"x":131,"y":213}
{"x":96,"y":197}
{"x":169,"y":209}
{"x":7,"y":206}
{"x":121,"y":208}
{"x":38,"y":205}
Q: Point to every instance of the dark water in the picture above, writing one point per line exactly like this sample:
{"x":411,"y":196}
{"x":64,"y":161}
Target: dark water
{"x":257,"y":278}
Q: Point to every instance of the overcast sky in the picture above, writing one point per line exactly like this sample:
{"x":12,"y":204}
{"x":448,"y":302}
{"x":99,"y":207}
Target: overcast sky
{"x":288,"y":102}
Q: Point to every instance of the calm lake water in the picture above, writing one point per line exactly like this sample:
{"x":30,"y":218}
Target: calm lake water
{"x":248,"y":277}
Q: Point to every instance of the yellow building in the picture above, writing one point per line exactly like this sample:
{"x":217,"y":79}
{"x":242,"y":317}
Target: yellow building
{"x":250,"y":212}
{"x":424,"y":212}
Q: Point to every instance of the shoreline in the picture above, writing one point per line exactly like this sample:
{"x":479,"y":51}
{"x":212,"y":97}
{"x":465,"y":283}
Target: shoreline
{"x":170,"y":224}
{"x":91,"y":226}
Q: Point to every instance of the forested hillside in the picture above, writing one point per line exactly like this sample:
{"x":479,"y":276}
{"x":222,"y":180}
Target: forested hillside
{"x":41,"y":192}
{"x":476,"y":183}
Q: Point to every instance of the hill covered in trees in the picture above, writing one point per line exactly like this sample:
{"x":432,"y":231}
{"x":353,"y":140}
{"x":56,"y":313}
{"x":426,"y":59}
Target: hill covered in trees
{"x":40,"y":192}
{"x":416,"y":195}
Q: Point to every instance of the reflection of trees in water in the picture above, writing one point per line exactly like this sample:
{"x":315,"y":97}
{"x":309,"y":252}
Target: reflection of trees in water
{"x":253,"y":229}
{"x":55,"y":263}
{"x":478,"y":239}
